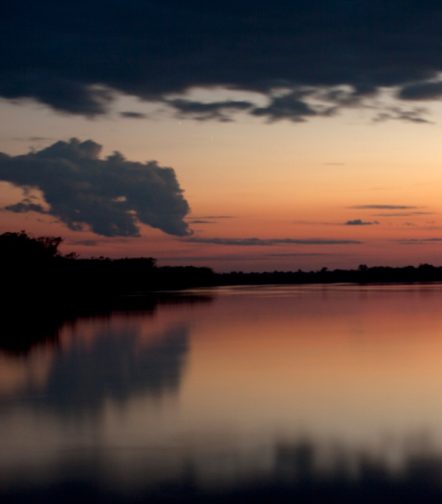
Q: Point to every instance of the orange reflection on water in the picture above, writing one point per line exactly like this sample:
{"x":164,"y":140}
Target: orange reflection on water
{"x":341,"y":360}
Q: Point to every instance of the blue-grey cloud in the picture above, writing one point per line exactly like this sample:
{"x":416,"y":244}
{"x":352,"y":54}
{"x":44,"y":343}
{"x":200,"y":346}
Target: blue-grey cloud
{"x":32,"y":139}
{"x":25,"y":206}
{"x":301,"y":254}
{"x":130,"y":114}
{"x":74,"y":57}
{"x":209,"y":219}
{"x":413,"y":115}
{"x":402,"y":214}
{"x":111,"y":196}
{"x":259,"y":242}
{"x":202,"y":221}
{"x":291,"y":106}
{"x":85,"y":243}
{"x":360,"y":222}
{"x":384,"y":207}
{"x":419,"y":241}
{"x":243,"y":257}
{"x":203,"y":111}
{"x":224,"y":257}
{"x":216,"y":217}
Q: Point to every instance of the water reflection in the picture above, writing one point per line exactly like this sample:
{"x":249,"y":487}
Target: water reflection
{"x":72,"y":367}
{"x":110,"y":366}
{"x":22,"y":332}
{"x":300,"y":471}
{"x":316,"y":394}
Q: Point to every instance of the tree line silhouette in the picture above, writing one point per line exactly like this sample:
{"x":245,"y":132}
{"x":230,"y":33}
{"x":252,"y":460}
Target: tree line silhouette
{"x":42,"y":288}
{"x":423,"y":273}
{"x":36,"y":273}
{"x":34,"y":270}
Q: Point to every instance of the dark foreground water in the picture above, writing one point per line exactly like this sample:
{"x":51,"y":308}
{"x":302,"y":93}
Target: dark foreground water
{"x":266,"y":394}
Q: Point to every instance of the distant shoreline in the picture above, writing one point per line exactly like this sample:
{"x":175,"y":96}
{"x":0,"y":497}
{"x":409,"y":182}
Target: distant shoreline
{"x":37,"y":277}
{"x":42,"y":289}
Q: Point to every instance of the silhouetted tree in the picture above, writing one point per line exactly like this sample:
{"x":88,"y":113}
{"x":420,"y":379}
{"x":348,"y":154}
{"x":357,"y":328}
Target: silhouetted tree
{"x":17,"y":247}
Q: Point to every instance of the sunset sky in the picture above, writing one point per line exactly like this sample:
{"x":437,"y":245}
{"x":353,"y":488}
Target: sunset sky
{"x":303,"y":134}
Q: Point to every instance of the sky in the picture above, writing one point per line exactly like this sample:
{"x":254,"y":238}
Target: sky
{"x":238,"y":135}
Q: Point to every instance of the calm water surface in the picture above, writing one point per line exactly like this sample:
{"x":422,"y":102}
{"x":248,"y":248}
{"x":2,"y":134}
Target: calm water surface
{"x":306,"y":394}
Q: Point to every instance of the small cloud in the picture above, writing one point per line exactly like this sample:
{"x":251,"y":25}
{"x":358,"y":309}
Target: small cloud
{"x":216,"y":217}
{"x":415,"y":115}
{"x":24,"y":207}
{"x":315,"y":223}
{"x":203,"y":111}
{"x":209,"y":219}
{"x":383,"y":207}
{"x":291,"y":106}
{"x":402,"y":214}
{"x":301,"y":254}
{"x":226,"y":257}
{"x":86,"y":243}
{"x":360,"y":222}
{"x":129,"y":114}
{"x":242,"y":257}
{"x":419,"y":241}
{"x":201,"y":221}
{"x":260,"y":242}
{"x":33,"y":139}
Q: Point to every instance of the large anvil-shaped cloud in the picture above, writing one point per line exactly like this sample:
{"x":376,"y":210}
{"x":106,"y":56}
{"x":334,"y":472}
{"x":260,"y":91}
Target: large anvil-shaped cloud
{"x":73,"y":55}
{"x":111,"y":196}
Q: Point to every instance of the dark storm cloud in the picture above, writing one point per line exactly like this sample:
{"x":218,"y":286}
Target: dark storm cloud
{"x":74,"y":56}
{"x":422,"y":91}
{"x":360,"y":222}
{"x":111,"y":196}
{"x":384,"y":207}
{"x":258,"y":242}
